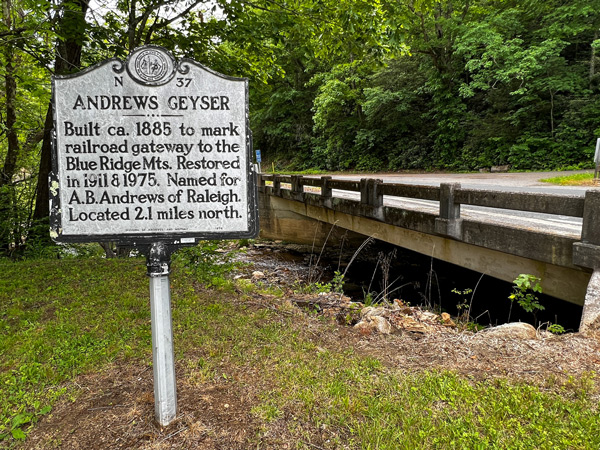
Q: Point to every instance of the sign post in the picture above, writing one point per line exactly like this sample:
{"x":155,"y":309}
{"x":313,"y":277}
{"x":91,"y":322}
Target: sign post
{"x":163,"y":357}
{"x":597,"y":160}
{"x":153,"y":153}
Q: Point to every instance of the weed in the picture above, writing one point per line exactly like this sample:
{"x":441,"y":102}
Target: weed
{"x":209,"y":261}
{"x":524,"y":289}
{"x":314,"y":270}
{"x":386,"y":262}
{"x":556,"y":328}
{"x":246,"y":242}
{"x":463,"y":305}
{"x":369,"y":298}
{"x":427,"y":296}
{"x":337,"y":283}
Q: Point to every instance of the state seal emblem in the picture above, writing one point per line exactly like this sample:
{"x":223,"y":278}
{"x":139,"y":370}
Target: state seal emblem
{"x":151,"y":65}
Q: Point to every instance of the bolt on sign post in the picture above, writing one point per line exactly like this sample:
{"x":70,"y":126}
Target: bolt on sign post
{"x":153,"y":153}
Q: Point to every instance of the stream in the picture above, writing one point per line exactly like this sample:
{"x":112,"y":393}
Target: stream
{"x":381,"y":270}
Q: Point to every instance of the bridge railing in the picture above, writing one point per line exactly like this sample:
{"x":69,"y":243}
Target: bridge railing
{"x":451,"y":196}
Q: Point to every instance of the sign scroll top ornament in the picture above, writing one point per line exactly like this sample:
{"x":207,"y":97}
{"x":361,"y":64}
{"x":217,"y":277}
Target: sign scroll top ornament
{"x":151,"y":66}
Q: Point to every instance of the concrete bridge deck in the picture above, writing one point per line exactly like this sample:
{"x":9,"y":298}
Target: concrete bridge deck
{"x":499,"y":233}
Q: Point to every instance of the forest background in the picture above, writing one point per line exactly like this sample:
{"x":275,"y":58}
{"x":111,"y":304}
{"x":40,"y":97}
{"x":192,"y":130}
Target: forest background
{"x":334,"y":84}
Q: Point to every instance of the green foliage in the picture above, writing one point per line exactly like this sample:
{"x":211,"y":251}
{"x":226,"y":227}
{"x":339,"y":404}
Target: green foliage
{"x":360,"y":85}
{"x":318,"y":287}
{"x":459,"y":85}
{"x":63,"y":318}
{"x":556,"y":328}
{"x":337,"y":283}
{"x":211,"y":262}
{"x":524,"y":289}
{"x":463,"y":307}
{"x":369,"y":298}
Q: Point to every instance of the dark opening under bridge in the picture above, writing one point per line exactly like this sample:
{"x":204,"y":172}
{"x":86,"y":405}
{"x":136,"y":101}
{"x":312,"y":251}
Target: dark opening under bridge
{"x":489,"y":236}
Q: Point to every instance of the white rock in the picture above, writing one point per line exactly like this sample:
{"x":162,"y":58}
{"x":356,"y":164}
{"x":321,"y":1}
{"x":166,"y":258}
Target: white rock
{"x":257,"y":275}
{"x":381,"y":324}
{"x":374,"y":323}
{"x":515,"y":330}
{"x":370,"y":311}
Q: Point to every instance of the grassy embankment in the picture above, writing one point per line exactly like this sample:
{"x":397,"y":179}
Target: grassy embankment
{"x":63,"y":318}
{"x":579,"y":179}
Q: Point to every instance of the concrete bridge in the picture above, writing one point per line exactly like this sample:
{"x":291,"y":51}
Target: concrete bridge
{"x":501,"y":234}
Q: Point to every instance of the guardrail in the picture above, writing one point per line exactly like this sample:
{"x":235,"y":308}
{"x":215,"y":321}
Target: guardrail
{"x":448,"y":222}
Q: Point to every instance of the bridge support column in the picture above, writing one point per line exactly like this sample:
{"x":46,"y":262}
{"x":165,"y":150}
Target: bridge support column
{"x":371,"y":197}
{"x":297,"y":188}
{"x":590,"y":318}
{"x":326,"y":191}
{"x":449,"y":223}
{"x":276,"y":185}
{"x":587,"y":254}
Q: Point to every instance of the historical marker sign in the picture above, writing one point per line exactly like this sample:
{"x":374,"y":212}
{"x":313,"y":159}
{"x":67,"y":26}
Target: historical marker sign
{"x":150,"y":150}
{"x":154,"y":153}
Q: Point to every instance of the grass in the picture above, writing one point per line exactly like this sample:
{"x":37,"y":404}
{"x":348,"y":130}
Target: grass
{"x":59,"y":319}
{"x":63,"y":318}
{"x":578,"y":179}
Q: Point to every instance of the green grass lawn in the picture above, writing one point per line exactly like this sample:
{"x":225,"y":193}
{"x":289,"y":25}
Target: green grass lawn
{"x":63,"y":318}
{"x":578,"y":179}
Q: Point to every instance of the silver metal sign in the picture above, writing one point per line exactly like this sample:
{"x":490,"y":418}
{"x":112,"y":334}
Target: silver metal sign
{"x":151,"y":149}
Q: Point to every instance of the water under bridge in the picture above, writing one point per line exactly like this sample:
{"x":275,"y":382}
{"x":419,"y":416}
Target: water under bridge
{"x":499,"y":233}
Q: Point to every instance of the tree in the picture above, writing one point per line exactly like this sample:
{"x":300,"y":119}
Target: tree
{"x":21,"y":127}
{"x":70,"y":37}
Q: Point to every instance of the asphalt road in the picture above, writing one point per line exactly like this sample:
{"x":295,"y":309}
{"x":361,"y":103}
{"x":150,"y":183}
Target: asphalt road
{"x":507,"y":182}
{"x":512,"y":182}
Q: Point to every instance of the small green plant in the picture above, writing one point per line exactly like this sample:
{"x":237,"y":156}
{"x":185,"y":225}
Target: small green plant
{"x":337,"y":283}
{"x":474,"y":327}
{"x":369,"y":298}
{"x":21,"y":423}
{"x":524,"y":290}
{"x":463,"y":305}
{"x":209,"y":261}
{"x":556,"y":328}
{"x":245,"y":242}
{"x":321,"y":288}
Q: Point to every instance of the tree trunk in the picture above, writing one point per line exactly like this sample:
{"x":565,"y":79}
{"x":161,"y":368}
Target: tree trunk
{"x":9,"y":167}
{"x":593,"y":62}
{"x":10,"y":86}
{"x":131,"y":26}
{"x":42,"y":198}
{"x":68,"y":59}
{"x":552,"y":113}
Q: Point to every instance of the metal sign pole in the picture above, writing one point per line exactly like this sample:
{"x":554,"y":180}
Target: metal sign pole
{"x":163,"y":359}
{"x":597,"y":159}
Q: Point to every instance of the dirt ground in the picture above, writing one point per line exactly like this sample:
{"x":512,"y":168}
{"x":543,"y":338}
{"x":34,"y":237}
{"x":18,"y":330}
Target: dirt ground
{"x":114,"y":409}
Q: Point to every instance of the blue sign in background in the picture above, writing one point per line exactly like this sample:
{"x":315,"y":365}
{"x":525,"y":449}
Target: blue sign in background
{"x":258,"y":158}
